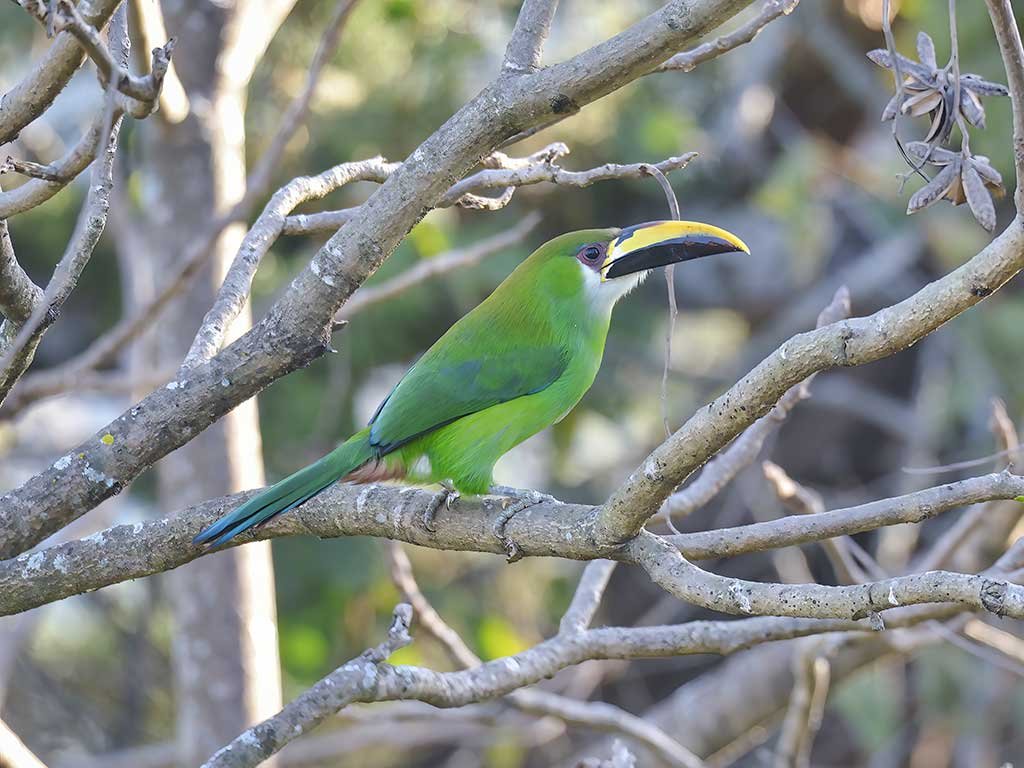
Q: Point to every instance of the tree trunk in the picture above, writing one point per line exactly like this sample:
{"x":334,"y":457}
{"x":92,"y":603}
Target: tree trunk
{"x":225,"y":644}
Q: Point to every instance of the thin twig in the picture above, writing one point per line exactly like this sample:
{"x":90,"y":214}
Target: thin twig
{"x":587,"y":597}
{"x":66,"y":17}
{"x":468,"y":192}
{"x":260,"y":177}
{"x":811,"y":673}
{"x":769,"y":12}
{"x":35,"y":93}
{"x":957,"y":466}
{"x":148,"y":20}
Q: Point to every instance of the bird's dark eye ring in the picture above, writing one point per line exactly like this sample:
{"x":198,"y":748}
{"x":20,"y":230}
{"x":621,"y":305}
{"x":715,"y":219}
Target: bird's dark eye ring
{"x":590,"y":254}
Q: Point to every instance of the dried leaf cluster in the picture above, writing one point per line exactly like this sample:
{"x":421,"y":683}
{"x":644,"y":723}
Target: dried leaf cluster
{"x":948,"y":98}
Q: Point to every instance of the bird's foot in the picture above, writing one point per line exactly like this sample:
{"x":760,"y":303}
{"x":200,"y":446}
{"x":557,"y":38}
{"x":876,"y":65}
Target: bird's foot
{"x":447,"y":497}
{"x":515,"y":501}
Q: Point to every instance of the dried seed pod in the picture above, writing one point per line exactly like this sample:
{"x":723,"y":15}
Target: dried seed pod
{"x":978,"y":198}
{"x":929,"y":90}
{"x":962,"y":177}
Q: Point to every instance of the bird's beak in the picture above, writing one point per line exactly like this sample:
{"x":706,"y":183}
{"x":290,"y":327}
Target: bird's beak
{"x":659,"y":243}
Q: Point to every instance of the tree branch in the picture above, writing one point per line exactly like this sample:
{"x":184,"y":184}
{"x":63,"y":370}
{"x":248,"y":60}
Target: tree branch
{"x":677,"y":576}
{"x":811,"y":673}
{"x":66,"y":17}
{"x":552,"y":529}
{"x":36,"y":92}
{"x":847,"y":343}
{"x":17,"y":355}
{"x":148,"y":19}
{"x":19,"y":296}
{"x":56,"y":175}
{"x":234,"y":290}
{"x":14,"y":753}
{"x":315,"y":704}
{"x":526,"y":45}
{"x":512,"y":173}
{"x":597,"y":715}
{"x":721,"y":470}
{"x":587,"y":597}
{"x":689,"y":60}
{"x":1012,"y":51}
{"x":367,"y":679}
{"x":804,"y":501}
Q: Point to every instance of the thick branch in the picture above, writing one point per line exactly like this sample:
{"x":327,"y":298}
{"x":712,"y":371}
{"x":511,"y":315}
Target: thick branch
{"x":547,"y":529}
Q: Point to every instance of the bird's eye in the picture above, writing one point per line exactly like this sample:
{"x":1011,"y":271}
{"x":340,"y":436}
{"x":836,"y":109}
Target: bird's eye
{"x":590,"y":254}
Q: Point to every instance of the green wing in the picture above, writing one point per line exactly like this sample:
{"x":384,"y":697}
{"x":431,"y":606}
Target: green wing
{"x":451,"y":381}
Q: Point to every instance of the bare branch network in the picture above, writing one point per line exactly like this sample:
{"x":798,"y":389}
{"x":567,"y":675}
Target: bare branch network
{"x":216,"y":376}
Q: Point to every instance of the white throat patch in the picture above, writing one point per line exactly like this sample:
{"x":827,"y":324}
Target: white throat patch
{"x":603,"y":294}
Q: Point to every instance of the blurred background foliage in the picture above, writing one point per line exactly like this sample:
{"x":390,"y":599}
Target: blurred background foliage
{"x":792,"y":157}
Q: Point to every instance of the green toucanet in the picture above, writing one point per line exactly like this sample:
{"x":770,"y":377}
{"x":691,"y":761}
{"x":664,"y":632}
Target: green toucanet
{"x":514,"y":365}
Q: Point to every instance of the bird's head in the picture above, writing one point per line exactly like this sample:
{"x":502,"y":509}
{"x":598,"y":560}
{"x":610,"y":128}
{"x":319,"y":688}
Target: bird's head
{"x":611,"y":262}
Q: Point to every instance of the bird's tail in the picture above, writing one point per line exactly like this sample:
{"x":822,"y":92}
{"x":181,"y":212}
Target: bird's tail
{"x":292,"y":491}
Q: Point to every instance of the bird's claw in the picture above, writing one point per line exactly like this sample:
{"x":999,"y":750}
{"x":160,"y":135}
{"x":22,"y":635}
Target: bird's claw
{"x":447,"y":497}
{"x":515,"y":501}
